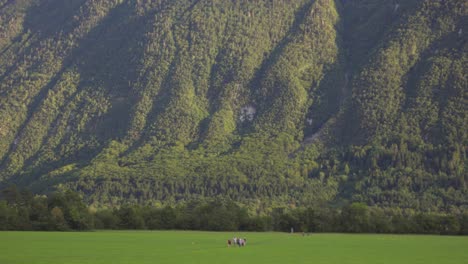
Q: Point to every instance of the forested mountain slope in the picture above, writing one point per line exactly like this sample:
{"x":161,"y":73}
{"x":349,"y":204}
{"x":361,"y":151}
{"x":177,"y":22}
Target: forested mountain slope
{"x":269,"y":103}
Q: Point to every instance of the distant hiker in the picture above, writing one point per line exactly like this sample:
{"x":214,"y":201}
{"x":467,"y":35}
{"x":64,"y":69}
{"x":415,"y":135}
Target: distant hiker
{"x":229,"y":242}
{"x":245,"y":241}
{"x":235,"y":240}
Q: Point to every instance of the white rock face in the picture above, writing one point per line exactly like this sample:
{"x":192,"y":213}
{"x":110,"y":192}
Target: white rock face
{"x":247,"y":113}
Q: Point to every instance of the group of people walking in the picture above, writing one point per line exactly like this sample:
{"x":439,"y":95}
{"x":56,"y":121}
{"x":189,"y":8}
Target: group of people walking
{"x":237,"y":241}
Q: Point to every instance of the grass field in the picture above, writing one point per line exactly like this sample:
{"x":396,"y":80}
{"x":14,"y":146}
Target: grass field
{"x":204,"y":247}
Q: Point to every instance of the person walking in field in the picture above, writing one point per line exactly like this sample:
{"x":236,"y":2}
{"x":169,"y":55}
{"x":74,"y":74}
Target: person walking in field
{"x":229,"y":242}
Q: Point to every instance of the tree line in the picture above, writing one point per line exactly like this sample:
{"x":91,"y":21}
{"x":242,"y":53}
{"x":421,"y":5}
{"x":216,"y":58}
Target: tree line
{"x":66,"y":211}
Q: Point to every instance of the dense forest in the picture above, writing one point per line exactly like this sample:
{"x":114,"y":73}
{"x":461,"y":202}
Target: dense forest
{"x":66,"y":211}
{"x":270,"y":104}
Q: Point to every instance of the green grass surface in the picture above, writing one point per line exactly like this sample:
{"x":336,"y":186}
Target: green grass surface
{"x":204,"y":247}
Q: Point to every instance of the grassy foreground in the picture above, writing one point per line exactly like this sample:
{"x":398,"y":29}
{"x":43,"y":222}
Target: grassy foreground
{"x":205,"y":247}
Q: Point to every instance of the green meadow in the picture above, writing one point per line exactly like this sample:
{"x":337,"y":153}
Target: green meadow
{"x":206,"y":247}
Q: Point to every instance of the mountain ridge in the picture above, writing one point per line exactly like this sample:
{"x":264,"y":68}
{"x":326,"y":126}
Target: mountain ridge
{"x":277,"y":102}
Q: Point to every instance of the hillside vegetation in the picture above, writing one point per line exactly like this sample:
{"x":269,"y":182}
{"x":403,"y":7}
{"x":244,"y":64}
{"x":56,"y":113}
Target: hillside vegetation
{"x":268,"y":103}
